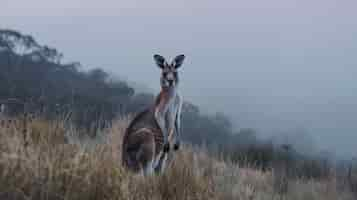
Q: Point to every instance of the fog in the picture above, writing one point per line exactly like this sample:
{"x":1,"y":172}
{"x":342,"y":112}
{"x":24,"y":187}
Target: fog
{"x":276,"y":66}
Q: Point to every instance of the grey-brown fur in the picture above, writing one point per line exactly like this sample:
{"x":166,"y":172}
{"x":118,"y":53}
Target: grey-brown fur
{"x":148,"y":137}
{"x":142,"y":142}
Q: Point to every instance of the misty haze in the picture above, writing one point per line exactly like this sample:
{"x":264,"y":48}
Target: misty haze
{"x":200,"y":99}
{"x":272,"y":68}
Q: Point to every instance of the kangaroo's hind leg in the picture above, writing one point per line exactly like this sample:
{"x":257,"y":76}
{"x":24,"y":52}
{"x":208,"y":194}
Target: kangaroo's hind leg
{"x":146,"y":156}
{"x":139,"y":152}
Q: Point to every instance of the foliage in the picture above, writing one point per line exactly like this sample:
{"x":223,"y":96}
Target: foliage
{"x":34,"y":74}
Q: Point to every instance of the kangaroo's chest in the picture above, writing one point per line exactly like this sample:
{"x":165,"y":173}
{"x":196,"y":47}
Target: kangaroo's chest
{"x":172,"y":106}
{"x":167,"y":101}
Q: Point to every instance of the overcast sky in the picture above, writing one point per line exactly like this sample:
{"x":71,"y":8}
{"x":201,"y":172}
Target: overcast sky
{"x":273,"y":65}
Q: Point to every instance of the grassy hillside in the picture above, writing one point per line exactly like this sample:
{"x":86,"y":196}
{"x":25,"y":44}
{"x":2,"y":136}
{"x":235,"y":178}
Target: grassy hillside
{"x":71,"y":149}
{"x":48,"y":160}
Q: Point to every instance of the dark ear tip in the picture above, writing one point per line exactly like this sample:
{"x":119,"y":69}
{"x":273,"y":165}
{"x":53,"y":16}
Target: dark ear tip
{"x":159,"y":57}
{"x":180,"y":57}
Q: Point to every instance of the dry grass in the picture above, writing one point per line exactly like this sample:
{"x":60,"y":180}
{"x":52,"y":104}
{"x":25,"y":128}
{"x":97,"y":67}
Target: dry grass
{"x":47,"y":160}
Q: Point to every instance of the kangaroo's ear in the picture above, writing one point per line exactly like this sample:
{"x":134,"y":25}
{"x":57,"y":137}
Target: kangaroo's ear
{"x":177,"y":62}
{"x":160,"y":61}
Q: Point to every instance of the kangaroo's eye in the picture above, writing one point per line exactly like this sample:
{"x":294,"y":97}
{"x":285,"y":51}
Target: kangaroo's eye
{"x":164,"y":74}
{"x":175,"y":74}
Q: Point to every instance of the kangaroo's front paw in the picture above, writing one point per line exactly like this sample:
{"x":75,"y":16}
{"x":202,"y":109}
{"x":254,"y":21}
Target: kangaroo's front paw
{"x":176,"y":146}
{"x":166,"y":147}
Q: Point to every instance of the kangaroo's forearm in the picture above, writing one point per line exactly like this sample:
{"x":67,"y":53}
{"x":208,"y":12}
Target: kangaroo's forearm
{"x":160,"y":118}
{"x":178,"y":131}
{"x":178,"y":120}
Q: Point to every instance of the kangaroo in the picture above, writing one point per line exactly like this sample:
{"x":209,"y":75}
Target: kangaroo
{"x":148,"y":138}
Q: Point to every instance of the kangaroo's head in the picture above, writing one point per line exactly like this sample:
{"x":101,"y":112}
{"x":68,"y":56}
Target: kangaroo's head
{"x":169,"y":75}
